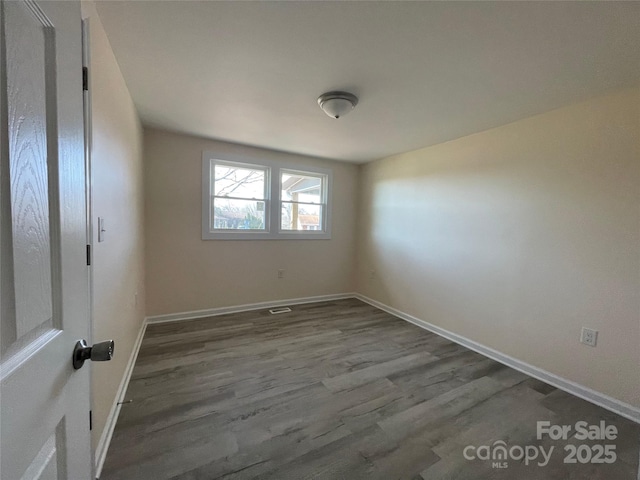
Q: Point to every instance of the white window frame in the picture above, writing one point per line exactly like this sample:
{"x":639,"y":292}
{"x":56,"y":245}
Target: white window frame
{"x":323,"y":200}
{"x":273,"y":210}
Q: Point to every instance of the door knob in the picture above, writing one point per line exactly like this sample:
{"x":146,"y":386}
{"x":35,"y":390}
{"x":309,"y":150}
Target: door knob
{"x":99,"y":352}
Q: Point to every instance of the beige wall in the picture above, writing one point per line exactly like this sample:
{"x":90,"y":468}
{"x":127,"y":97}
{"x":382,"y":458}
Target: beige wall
{"x":186,"y":273}
{"x":517,"y":237}
{"x":118,"y":262}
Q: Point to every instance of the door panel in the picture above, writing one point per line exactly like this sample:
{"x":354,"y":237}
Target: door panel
{"x":44,"y":403}
{"x":27,"y":40}
{"x":46,"y":465}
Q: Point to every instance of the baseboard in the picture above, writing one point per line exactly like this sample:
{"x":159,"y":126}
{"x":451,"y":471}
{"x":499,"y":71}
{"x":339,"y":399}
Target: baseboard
{"x":600,"y":399}
{"x":110,"y":424}
{"x":212,"y":312}
{"x":621,"y":408}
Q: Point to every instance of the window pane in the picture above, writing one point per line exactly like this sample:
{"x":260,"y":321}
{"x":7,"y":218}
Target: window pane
{"x":238,"y":182}
{"x":301,"y":188}
{"x":297,"y":216}
{"x":231,"y":214}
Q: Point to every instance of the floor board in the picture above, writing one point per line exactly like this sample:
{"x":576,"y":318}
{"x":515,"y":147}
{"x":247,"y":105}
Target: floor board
{"x":337,"y":390}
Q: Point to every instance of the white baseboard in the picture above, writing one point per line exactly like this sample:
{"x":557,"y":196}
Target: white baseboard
{"x":212,"y":312}
{"x":110,"y":424}
{"x":621,"y":408}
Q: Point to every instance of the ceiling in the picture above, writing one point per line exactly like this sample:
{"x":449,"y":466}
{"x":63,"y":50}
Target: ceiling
{"x":425,"y":72}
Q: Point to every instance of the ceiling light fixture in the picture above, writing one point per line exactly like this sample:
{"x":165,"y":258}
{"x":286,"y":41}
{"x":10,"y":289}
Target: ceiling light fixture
{"x":337,"y":104}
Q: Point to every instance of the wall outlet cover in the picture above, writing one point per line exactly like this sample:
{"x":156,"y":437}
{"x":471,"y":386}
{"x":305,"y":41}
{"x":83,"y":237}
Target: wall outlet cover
{"x":589,"y":337}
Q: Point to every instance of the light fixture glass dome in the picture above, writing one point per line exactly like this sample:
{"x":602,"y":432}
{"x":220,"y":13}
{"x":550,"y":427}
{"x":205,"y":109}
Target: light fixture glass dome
{"x":337,"y":104}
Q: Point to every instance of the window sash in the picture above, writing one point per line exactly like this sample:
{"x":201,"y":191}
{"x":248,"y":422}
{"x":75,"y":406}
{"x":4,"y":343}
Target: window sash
{"x":312,"y":204}
{"x":322,"y":204}
{"x":321,"y":219}
{"x":241,"y":166}
{"x":252,"y":199}
{"x":213,"y":228}
{"x":266,"y":171}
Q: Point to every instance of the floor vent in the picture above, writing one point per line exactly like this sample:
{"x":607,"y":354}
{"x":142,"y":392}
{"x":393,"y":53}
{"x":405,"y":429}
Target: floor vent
{"x":275,"y":311}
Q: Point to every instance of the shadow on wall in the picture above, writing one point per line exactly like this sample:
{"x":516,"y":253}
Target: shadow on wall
{"x":531,"y":229}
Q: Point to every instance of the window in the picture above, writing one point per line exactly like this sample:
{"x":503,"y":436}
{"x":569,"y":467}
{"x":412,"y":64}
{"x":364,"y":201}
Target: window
{"x":301,"y":201}
{"x":263,"y":200}
{"x":239,"y":197}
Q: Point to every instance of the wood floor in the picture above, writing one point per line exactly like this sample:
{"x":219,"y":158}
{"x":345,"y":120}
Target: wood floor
{"x":337,"y":390}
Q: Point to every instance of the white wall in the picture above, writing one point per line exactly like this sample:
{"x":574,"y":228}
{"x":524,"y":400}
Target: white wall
{"x":517,"y":237}
{"x":118,"y":262}
{"x":185,"y":273}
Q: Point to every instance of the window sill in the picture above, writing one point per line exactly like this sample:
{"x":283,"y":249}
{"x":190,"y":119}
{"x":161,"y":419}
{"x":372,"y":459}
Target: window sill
{"x":305,"y":235}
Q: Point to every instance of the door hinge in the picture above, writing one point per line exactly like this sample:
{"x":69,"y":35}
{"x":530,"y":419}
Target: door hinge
{"x":88,"y":254}
{"x":85,"y":78}
{"x":90,"y":420}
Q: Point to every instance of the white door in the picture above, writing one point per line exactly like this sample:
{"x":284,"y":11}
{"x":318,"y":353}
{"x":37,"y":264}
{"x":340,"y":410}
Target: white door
{"x":44,"y":402}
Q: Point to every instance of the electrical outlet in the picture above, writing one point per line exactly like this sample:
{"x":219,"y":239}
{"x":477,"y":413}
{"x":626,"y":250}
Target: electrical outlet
{"x":280,"y":273}
{"x":589,"y":337}
{"x":372,"y":274}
